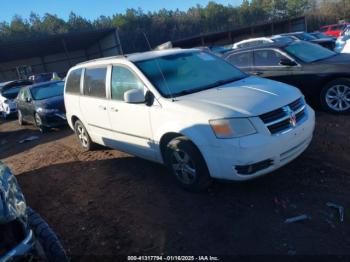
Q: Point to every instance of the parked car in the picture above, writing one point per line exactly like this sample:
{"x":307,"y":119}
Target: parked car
{"x":325,"y":42}
{"x":24,"y":235}
{"x":320,"y":73}
{"x":190,"y":110}
{"x":343,"y":42}
{"x":44,"y":77}
{"x":42,"y":104}
{"x":8,"y":93}
{"x":261,"y":41}
{"x":333,"y":30}
{"x":320,"y":35}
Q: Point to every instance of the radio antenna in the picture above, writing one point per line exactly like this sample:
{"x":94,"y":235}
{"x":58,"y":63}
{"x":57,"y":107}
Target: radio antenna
{"x":160,"y":69}
{"x":118,"y":41}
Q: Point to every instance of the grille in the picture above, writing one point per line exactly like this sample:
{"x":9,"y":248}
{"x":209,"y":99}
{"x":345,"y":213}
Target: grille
{"x":284,"y":118}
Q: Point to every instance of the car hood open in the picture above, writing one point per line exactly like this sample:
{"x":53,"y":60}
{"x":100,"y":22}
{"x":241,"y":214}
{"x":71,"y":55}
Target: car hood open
{"x":250,"y":96}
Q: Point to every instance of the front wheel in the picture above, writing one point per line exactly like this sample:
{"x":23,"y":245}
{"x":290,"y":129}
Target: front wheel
{"x":335,"y":96}
{"x":49,"y":242}
{"x":187,"y":165}
{"x":20,"y":118}
{"x":39,"y":123}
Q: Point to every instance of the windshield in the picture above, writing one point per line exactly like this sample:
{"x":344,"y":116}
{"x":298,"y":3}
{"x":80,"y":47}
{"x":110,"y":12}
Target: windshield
{"x":308,"y":52}
{"x":189,"y":72}
{"x":305,"y":37}
{"x":47,"y":91}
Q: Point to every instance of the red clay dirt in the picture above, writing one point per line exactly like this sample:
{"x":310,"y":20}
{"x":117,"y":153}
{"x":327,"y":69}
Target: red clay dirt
{"x":109,"y":203}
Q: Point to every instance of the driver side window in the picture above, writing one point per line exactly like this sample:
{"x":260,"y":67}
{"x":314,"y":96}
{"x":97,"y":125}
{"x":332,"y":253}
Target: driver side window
{"x":123,"y":80}
{"x":267,"y":58}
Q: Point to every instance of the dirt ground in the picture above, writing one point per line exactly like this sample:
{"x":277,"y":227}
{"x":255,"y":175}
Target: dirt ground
{"x":109,"y":203}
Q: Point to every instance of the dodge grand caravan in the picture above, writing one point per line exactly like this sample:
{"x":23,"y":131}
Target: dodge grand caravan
{"x":190,"y":110}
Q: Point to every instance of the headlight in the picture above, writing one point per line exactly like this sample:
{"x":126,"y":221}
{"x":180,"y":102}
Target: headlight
{"x":47,"y":110}
{"x":233,"y":127}
{"x":12,"y":202}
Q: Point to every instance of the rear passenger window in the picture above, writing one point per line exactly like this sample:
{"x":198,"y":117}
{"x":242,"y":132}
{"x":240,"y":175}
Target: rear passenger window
{"x":95,"y":82}
{"x":73,"y":82}
{"x":242,"y":59}
{"x":123,"y":80}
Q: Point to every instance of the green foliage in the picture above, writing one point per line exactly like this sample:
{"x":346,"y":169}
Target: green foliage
{"x":166,"y":25}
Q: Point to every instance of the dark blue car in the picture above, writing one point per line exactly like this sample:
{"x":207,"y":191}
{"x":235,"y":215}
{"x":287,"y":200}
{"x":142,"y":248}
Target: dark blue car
{"x":42,"y":105}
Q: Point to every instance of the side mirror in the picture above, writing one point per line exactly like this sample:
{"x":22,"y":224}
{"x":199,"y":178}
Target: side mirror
{"x":134,"y":96}
{"x":287,"y":62}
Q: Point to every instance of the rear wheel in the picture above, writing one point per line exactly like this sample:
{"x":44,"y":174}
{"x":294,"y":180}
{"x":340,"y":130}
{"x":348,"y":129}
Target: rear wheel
{"x":335,"y":96}
{"x":83,"y":136}
{"x":187,"y":165}
{"x":49,"y":242}
{"x":39,"y":123}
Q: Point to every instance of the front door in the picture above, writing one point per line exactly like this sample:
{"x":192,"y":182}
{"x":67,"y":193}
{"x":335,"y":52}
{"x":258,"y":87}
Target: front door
{"x":267,"y":64}
{"x":130,"y":123}
{"x":25,"y":105}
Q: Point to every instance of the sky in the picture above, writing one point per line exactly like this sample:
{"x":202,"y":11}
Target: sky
{"x":92,"y":9}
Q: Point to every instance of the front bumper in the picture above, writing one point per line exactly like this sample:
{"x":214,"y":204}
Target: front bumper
{"x":21,"y":249}
{"x":255,"y":155}
{"x":53,"y":120}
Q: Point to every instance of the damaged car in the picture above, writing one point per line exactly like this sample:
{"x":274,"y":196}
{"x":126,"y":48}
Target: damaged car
{"x":24,"y":235}
{"x":8,"y":93}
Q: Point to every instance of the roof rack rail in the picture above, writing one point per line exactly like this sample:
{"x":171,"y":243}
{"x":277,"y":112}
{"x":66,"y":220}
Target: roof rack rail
{"x":102,"y":59}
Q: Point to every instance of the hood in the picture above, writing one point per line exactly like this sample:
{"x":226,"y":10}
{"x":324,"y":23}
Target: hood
{"x":56,"y":102}
{"x":251,"y":96}
{"x":12,"y":202}
{"x":339,"y":59}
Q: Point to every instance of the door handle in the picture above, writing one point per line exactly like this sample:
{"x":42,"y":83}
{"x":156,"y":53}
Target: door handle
{"x":257,"y":73}
{"x":114,"y":109}
{"x":102,"y":107}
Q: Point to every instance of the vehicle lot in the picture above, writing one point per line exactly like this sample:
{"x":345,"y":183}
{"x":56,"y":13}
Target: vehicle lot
{"x":108,"y":203}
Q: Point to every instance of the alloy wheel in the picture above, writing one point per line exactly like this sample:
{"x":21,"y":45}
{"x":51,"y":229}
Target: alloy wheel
{"x":338,"y":97}
{"x":183,"y":167}
{"x":83,"y":136}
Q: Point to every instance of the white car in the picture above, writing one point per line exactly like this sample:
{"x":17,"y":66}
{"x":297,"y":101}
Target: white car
{"x":342,"y":45}
{"x":8,"y":94}
{"x":262,"y":40}
{"x":189,"y":110}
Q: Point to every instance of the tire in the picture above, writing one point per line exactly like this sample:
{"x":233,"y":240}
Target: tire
{"x":47,"y":238}
{"x":187,"y":164}
{"x":39,"y":123}
{"x":20,"y":118}
{"x":83,"y":136}
{"x":335,"y":96}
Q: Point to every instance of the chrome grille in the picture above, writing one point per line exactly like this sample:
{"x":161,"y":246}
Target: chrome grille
{"x":284,"y":118}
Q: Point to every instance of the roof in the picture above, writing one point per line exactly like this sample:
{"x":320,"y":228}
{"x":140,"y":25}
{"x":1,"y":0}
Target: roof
{"x":46,"y":45}
{"x":6,"y":85}
{"x":44,"y":83}
{"x":141,"y":56}
{"x":268,"y":45}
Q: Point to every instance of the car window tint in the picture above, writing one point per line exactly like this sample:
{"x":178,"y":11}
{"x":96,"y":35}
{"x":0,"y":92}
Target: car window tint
{"x":95,"y":82}
{"x":73,"y":82}
{"x":324,"y":29}
{"x":123,"y":80}
{"x":241,"y":60}
{"x":267,"y":58}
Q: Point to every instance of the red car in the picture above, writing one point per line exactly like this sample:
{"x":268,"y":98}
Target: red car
{"x":333,"y":30}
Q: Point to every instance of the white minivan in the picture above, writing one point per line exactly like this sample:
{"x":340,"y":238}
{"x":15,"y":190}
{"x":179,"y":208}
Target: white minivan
{"x":190,"y":110}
